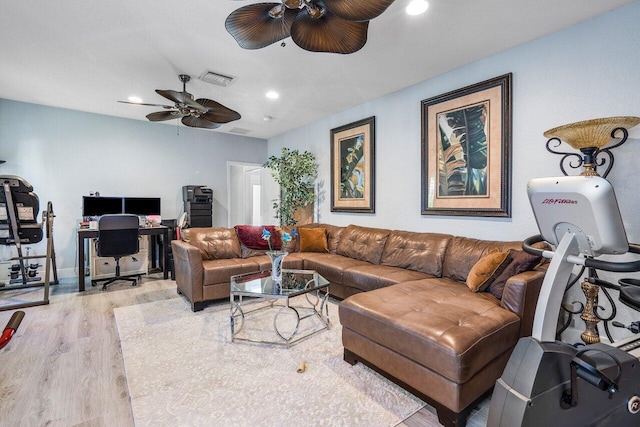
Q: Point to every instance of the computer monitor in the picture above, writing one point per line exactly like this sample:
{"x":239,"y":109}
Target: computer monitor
{"x":96,"y":206}
{"x":142,"y":205}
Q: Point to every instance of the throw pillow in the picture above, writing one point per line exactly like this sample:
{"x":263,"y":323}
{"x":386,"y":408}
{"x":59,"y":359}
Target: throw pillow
{"x":313,"y":239}
{"x":520,"y":262}
{"x":486,"y":270}
{"x":251,"y":236}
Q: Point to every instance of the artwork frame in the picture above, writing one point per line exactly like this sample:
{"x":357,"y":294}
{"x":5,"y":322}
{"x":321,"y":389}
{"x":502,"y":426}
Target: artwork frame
{"x":353,"y":178}
{"x":451,"y":185}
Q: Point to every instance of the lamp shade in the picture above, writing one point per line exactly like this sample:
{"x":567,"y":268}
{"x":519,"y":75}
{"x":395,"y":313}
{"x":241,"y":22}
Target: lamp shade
{"x":591,"y":133}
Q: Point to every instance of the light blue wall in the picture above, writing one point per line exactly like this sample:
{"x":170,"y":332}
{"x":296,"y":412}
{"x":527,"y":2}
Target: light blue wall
{"x":66,"y":154}
{"x":587,"y":71}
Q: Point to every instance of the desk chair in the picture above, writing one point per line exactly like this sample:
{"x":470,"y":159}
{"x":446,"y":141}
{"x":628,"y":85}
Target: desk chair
{"x":117,"y":237}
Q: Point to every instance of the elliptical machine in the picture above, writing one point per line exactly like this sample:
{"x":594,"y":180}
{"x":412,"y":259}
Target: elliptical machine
{"x":547,"y":382}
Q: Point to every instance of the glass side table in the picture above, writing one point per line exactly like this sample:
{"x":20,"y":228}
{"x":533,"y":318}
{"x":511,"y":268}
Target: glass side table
{"x":252,"y":293}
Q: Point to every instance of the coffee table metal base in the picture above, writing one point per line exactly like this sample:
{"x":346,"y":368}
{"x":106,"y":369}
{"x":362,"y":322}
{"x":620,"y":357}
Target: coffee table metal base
{"x":316,"y":307}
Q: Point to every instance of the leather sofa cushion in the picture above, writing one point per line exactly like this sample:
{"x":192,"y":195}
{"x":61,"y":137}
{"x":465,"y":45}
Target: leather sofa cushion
{"x":363,"y":243}
{"x":221,"y":270}
{"x":370,"y":276}
{"x":329,"y":266}
{"x":416,"y":251}
{"x":438,"y":323}
{"x":214,"y":243}
{"x":290,"y":262}
{"x":463,"y":253}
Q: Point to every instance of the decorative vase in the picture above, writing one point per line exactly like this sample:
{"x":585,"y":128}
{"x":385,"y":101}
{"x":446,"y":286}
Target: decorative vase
{"x":276,"y":264}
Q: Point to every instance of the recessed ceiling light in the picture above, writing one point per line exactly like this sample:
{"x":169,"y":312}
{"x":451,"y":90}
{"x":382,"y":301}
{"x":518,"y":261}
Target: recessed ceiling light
{"x":272,"y":94}
{"x":135,"y":99}
{"x":417,"y":7}
{"x":267,"y":118}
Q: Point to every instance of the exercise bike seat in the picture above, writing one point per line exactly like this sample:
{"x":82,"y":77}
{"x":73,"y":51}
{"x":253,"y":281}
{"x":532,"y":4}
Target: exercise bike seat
{"x":630,"y":293}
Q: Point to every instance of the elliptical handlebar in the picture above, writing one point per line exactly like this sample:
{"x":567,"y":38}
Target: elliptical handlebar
{"x":618,"y":267}
{"x":529,"y":241}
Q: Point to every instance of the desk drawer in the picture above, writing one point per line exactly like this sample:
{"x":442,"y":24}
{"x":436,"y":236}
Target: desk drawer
{"x":144,"y":245}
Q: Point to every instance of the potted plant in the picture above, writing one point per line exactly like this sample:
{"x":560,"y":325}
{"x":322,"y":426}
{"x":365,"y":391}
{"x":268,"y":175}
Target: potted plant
{"x":295,"y":172}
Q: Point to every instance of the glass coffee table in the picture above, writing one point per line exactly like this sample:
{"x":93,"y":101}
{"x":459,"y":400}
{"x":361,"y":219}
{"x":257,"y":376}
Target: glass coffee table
{"x":257,"y":300}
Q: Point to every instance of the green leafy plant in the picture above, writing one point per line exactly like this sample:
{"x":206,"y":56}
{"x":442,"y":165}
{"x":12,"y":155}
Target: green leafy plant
{"x":295,"y":172}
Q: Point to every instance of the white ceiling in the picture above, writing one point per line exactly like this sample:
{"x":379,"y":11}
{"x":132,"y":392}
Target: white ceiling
{"x":87,"y":54}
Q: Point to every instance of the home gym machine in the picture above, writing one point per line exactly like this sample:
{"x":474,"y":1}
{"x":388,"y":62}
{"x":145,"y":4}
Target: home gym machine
{"x":19,"y":207}
{"x":551,"y":383}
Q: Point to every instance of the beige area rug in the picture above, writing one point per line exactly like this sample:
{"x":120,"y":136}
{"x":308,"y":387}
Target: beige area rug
{"x":182,"y":370}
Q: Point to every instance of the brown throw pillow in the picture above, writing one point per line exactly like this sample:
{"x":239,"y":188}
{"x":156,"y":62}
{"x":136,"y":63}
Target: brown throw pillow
{"x":486,"y":270}
{"x":520,"y":262}
{"x":313,"y":239}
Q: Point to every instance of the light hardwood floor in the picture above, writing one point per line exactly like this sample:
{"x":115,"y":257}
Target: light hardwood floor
{"x":64,"y":366}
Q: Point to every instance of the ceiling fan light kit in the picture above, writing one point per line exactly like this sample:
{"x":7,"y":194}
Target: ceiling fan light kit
{"x":197,"y":113}
{"x":334,"y":26}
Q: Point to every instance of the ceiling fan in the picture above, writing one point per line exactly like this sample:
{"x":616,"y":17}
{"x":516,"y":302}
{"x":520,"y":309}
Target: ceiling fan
{"x":336,"y":26}
{"x":199,"y":113}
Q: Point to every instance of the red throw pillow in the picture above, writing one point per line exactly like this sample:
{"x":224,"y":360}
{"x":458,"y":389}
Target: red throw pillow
{"x":251,"y":236}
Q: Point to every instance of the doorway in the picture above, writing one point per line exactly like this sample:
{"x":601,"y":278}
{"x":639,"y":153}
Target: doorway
{"x":244,"y":193}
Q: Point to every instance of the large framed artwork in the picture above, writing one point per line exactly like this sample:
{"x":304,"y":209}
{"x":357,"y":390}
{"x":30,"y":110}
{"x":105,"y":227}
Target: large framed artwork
{"x":353,"y":167}
{"x":466,"y":151}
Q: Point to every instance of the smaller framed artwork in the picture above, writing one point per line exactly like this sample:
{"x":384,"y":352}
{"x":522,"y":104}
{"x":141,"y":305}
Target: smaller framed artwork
{"x":353,"y":167}
{"x":466,"y":151}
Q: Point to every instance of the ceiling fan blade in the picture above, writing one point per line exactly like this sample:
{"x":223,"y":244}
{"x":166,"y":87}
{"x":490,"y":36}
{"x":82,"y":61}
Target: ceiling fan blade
{"x":181,"y":98}
{"x":172,"y":95}
{"x":255,"y":27}
{"x":357,"y":10}
{"x":199,"y":122}
{"x":328,"y":33}
{"x":150,"y":105}
{"x":217,"y":112}
{"x":160,"y":116}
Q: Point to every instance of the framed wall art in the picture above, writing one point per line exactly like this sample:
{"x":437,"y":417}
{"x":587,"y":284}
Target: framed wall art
{"x":466,"y":151}
{"x":353,"y":167}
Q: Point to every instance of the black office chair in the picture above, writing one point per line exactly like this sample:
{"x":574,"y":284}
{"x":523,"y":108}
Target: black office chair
{"x":117,"y":237}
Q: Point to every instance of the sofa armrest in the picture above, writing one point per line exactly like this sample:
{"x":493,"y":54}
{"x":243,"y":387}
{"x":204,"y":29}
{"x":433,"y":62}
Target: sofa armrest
{"x":521,"y":296}
{"x":187,"y":262}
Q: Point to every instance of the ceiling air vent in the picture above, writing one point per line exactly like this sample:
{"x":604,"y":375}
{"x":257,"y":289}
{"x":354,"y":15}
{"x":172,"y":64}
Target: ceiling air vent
{"x":240,"y":131}
{"x":216,"y":78}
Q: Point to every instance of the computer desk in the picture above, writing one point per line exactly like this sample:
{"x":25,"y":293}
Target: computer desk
{"x":90,"y":233}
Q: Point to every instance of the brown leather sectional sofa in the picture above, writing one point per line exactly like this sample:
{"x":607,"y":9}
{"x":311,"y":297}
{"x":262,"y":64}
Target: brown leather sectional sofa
{"x":406,"y":311}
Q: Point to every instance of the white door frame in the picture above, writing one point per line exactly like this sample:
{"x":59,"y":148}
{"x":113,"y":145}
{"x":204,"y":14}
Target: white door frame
{"x":231,"y":164}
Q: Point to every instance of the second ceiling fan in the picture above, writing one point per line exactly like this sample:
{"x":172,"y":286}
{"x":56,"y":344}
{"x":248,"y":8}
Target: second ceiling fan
{"x":198,"y":113}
